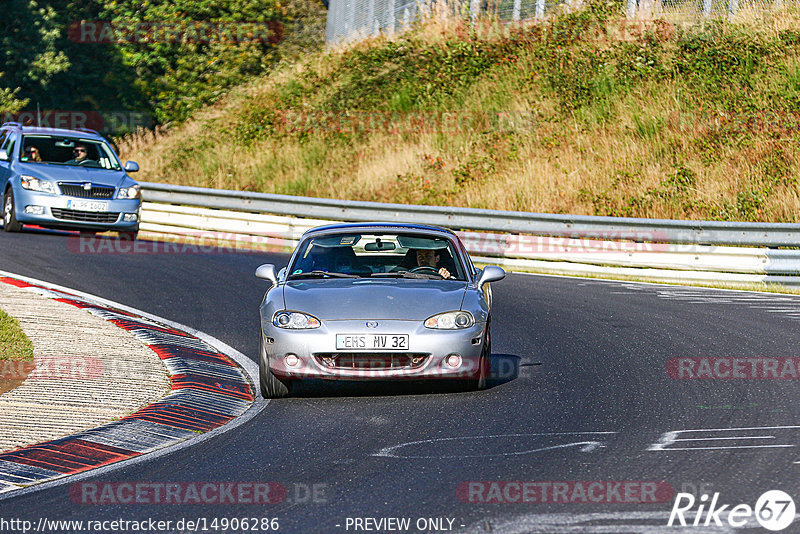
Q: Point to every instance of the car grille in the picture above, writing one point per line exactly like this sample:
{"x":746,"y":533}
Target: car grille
{"x":370,"y":361}
{"x":85,"y":216}
{"x":77,"y":190}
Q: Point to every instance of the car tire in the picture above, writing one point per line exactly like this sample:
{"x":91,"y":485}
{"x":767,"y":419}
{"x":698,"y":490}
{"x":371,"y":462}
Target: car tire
{"x":10,"y":223}
{"x":272,"y":387}
{"x":485,"y":362}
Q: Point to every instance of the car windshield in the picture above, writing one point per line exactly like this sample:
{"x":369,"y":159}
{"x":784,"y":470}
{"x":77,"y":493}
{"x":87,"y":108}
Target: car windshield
{"x":60,"y":150}
{"x":393,"y":255}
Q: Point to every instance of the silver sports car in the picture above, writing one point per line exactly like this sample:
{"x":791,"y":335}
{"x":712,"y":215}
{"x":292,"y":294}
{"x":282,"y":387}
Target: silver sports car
{"x":376,"y":301}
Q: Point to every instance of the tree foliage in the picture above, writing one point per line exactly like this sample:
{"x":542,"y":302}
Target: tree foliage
{"x":28,"y":54}
{"x":135,"y":66}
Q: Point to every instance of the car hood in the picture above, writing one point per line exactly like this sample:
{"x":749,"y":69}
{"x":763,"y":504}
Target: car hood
{"x":363,"y":298}
{"x":68,"y":173}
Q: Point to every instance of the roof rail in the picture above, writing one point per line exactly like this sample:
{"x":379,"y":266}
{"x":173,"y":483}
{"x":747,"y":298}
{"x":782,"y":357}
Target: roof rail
{"x":19,"y":124}
{"x":87,"y":130}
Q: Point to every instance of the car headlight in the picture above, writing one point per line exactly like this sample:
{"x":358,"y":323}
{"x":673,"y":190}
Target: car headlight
{"x":295,"y":320}
{"x":128,"y":192}
{"x":35,"y":184}
{"x":450,"y":320}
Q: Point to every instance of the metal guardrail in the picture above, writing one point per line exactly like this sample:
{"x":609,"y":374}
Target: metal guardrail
{"x":204,"y":219}
{"x":741,"y":234}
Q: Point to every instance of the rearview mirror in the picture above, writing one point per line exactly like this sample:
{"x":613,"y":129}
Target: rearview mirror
{"x":379,"y":246}
{"x":491,"y":273}
{"x":267,"y":272}
{"x":131,"y":166}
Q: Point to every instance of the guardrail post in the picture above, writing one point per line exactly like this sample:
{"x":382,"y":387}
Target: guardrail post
{"x":350,"y":19}
{"x":539,"y":9}
{"x":517,"y":8}
{"x":631,"y":11}
{"x":733,"y":7}
{"x":371,"y":22}
{"x":390,"y":17}
{"x":474,"y":9}
{"x":707,"y":8}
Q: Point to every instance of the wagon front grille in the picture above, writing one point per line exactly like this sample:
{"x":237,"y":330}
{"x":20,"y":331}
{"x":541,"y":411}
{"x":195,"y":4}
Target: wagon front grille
{"x":85,"y":216}
{"x":78,"y":190}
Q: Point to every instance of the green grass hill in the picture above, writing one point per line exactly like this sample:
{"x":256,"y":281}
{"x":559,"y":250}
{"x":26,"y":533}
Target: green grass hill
{"x":586,"y":113}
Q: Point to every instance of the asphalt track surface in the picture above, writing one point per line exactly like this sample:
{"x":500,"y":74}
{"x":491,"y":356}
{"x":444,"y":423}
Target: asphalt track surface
{"x":582,"y":394}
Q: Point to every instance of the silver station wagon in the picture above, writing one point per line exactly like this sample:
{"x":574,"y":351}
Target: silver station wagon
{"x":376,"y":301}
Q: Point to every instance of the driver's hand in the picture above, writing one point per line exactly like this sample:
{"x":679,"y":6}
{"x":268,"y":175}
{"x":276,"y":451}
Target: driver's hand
{"x":444,"y":273}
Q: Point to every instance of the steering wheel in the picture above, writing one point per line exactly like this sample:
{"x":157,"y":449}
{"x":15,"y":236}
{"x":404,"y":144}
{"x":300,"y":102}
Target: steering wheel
{"x":425,"y":268}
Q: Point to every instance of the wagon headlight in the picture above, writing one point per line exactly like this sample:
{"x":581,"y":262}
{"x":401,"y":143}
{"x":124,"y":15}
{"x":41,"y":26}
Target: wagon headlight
{"x":128,"y":192}
{"x":450,"y":320}
{"x":295,"y":320}
{"x":35,"y":184}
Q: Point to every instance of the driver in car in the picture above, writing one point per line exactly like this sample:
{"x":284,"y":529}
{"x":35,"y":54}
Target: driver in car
{"x":80,"y":155}
{"x":429,"y":258}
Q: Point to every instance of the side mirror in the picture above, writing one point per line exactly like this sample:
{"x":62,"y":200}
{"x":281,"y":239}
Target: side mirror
{"x":267,"y":272}
{"x":4,"y":155}
{"x":491,"y":273}
{"x":131,"y":166}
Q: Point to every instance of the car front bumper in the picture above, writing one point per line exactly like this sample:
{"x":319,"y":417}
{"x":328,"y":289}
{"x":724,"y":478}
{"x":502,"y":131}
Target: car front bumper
{"x":315,"y":347}
{"x":55,"y":211}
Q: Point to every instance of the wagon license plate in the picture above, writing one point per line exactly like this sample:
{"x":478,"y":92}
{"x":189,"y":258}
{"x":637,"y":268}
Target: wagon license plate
{"x":87,"y":205}
{"x":371,"y":341}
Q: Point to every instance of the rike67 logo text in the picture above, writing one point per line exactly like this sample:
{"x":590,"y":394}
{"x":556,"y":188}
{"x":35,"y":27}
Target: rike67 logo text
{"x":774,"y":510}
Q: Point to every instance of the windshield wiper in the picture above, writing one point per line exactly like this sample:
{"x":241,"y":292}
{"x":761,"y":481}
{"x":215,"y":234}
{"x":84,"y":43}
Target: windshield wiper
{"x":321,"y":274}
{"x":407,"y":274}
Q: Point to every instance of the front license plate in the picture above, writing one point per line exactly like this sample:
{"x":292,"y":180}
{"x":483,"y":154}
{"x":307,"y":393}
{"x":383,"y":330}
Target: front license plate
{"x":87,"y":205}
{"x":371,"y":341}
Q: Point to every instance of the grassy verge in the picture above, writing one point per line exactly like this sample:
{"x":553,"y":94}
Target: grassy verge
{"x":587,"y":113}
{"x":14,"y":344}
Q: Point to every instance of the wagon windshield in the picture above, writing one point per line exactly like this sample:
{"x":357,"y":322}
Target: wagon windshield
{"x":72,"y":151}
{"x":377,"y":256}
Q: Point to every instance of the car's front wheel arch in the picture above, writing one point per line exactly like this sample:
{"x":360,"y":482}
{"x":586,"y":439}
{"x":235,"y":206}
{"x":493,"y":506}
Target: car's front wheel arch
{"x":485,"y":363}
{"x":271,"y":386}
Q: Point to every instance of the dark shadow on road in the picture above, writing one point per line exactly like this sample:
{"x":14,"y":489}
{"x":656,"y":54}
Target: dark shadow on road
{"x":504,"y":368}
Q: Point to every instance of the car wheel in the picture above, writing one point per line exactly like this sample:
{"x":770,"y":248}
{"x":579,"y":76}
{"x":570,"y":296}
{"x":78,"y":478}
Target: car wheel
{"x":485,"y":362}
{"x":272,"y":387}
{"x":10,"y":223}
